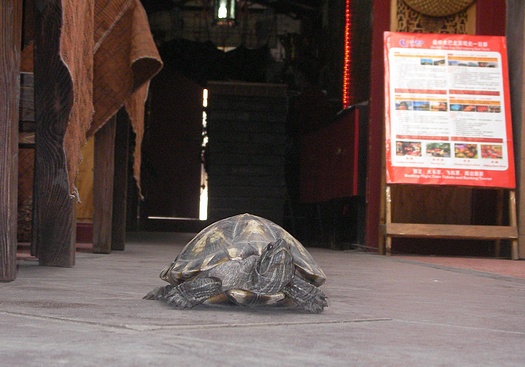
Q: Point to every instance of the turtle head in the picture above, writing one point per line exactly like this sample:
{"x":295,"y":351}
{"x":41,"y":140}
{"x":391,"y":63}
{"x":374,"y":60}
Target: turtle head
{"x":274,"y":269}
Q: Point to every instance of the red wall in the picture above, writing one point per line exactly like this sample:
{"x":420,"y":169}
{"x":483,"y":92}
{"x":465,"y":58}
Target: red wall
{"x":490,"y":17}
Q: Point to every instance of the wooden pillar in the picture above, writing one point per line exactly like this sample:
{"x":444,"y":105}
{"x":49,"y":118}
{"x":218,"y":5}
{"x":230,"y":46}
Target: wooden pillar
{"x":54,"y":208}
{"x":120,"y":182}
{"x":10,"y":48}
{"x":375,"y":189}
{"x":516,"y":42}
{"x":103,"y":187}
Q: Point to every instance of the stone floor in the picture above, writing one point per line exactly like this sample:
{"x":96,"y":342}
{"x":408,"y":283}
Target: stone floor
{"x":383,"y":311}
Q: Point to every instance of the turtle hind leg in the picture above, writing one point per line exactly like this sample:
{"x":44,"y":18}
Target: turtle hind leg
{"x":306,"y":295}
{"x":193,"y":292}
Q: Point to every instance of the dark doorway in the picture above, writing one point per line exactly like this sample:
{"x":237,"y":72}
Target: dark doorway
{"x":171,"y":163}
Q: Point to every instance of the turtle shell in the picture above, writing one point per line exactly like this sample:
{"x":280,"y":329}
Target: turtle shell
{"x":236,"y":238}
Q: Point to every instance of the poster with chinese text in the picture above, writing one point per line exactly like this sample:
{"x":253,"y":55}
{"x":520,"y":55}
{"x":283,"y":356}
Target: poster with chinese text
{"x":447,"y":110}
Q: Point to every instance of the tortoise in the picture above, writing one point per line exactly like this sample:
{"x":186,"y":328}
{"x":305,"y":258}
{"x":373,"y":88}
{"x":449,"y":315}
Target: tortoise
{"x":245,"y":260}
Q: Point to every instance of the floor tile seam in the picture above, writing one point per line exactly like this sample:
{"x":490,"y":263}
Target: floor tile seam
{"x":65,"y":320}
{"x":265,"y":324}
{"x":456,"y":326}
{"x":145,"y":328}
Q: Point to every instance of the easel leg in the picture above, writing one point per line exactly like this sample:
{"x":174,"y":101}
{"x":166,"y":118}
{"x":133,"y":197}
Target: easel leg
{"x":513,"y":223}
{"x":388,"y":238}
{"x":499,"y":208}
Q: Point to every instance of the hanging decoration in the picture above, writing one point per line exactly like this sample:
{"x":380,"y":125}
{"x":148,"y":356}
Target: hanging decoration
{"x":410,"y":20}
{"x":439,"y":8}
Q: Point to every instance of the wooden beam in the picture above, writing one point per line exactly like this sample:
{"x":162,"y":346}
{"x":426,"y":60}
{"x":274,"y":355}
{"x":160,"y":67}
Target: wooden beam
{"x":451,"y":231}
{"x":103,"y":186}
{"x":10,"y":48}
{"x":53,"y":206}
{"x":120,"y":182}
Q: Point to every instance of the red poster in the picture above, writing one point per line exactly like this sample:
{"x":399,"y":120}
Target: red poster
{"x":447,"y":110}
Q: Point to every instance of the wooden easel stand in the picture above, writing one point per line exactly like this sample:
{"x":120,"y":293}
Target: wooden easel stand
{"x":452,"y":231}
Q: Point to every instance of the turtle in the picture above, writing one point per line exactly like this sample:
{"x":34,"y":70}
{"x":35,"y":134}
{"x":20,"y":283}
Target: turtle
{"x":244,"y":260}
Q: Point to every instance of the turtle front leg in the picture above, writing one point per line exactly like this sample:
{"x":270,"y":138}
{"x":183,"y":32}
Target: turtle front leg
{"x":307,"y":295}
{"x":193,"y":292}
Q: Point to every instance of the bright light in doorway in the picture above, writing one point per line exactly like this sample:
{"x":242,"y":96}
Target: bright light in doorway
{"x":204,"y":98}
{"x":203,"y":199}
{"x":203,"y":202}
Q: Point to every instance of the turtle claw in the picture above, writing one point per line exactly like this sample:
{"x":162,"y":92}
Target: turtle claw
{"x":306,"y":295}
{"x":316,"y":304}
{"x":171,"y":295}
{"x":156,"y":294}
